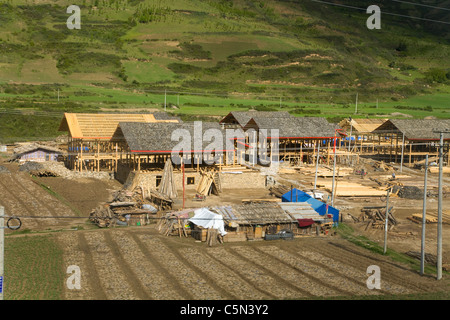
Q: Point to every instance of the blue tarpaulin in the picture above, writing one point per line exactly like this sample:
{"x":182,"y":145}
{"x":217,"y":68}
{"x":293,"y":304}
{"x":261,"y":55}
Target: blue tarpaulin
{"x":318,"y":206}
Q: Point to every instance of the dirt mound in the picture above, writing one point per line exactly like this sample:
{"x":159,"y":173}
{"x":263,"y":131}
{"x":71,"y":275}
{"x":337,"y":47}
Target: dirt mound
{"x":411,"y":192}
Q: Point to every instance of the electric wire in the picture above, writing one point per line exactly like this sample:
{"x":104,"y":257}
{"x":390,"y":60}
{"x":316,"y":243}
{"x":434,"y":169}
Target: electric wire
{"x":421,"y":5}
{"x":383,"y":12}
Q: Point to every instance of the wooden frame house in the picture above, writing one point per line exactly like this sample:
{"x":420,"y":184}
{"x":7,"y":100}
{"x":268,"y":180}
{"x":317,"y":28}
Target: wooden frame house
{"x":89,"y":142}
{"x":298,"y":137}
{"x":360,"y":134}
{"x":414,"y":138}
{"x":147,"y":146}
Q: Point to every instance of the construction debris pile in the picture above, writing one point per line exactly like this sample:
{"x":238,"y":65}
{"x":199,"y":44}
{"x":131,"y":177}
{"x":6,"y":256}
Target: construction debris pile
{"x":376,"y":217}
{"x":57,"y":169}
{"x":209,"y":184}
{"x":127,"y":208}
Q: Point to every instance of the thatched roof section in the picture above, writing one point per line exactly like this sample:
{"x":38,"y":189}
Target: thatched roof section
{"x":416,"y":129}
{"x":361,"y":125}
{"x":295,"y":127}
{"x":93,"y":126}
{"x":241,"y":118}
{"x":253,"y":214}
{"x":156,"y":138}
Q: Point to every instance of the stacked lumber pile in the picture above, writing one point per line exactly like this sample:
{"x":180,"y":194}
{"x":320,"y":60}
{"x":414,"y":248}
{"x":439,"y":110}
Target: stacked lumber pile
{"x":167,"y":186}
{"x":351,"y":189}
{"x":279,"y":190}
{"x":436,"y":169}
{"x":127,"y":207}
{"x":430,"y":217}
{"x":209,"y":183}
{"x":326,"y":172}
{"x":417,"y":218}
{"x":376,"y":217}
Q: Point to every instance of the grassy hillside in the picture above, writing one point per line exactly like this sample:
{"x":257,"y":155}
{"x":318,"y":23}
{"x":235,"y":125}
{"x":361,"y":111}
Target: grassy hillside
{"x":212,"y":56}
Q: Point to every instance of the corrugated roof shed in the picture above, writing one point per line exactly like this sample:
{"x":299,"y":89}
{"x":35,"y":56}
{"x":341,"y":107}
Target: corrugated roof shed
{"x":253,"y":214}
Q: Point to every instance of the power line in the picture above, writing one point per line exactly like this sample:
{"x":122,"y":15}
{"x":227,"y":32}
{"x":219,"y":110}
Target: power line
{"x":383,"y":12}
{"x":422,"y":5}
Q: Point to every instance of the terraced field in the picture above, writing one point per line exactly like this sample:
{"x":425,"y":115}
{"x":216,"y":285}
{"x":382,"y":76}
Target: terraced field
{"x":139,"y":263}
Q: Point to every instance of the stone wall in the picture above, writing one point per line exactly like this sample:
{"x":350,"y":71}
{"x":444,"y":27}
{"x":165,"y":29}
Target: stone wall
{"x":244,"y":180}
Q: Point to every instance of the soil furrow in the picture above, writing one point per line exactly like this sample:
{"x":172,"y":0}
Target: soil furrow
{"x":198,"y":287}
{"x":129,"y":273}
{"x":355,"y":284}
{"x":16,"y":207}
{"x":147,"y":269}
{"x":314,"y":286}
{"x":390,"y":272}
{"x":112,"y":279}
{"x":93,"y":276}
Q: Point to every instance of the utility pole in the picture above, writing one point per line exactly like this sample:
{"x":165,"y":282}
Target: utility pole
{"x":165,"y":98}
{"x":386,"y":221}
{"x":334,"y":171}
{"x":424,"y":221}
{"x":2,"y":250}
{"x":439,"y":224}
{"x":356,"y":105}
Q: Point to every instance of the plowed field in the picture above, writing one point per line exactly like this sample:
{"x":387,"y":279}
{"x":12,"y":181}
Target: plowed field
{"x":139,"y":263}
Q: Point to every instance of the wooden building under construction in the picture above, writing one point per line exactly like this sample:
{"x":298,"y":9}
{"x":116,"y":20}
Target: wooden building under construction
{"x":144,"y":146}
{"x":360,"y":133}
{"x":298,"y":138}
{"x":410,"y":140}
{"x":89,"y":138}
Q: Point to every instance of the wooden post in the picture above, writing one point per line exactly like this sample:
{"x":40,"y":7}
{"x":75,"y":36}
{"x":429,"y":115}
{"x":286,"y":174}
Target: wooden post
{"x":81,"y":157}
{"x":396,"y":147}
{"x":410,"y":151}
{"x":328,"y":153}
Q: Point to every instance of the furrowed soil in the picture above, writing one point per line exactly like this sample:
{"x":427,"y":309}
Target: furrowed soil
{"x":138,"y":263}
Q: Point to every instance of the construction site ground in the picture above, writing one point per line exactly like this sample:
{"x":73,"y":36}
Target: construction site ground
{"x":140,"y":263}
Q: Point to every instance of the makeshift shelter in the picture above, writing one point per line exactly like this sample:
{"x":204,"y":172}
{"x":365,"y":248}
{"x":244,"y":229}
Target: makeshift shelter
{"x":320,"y":207}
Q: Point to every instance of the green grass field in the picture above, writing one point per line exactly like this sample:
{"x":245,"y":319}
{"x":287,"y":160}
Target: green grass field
{"x":33,"y":268}
{"x":212,"y":57}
